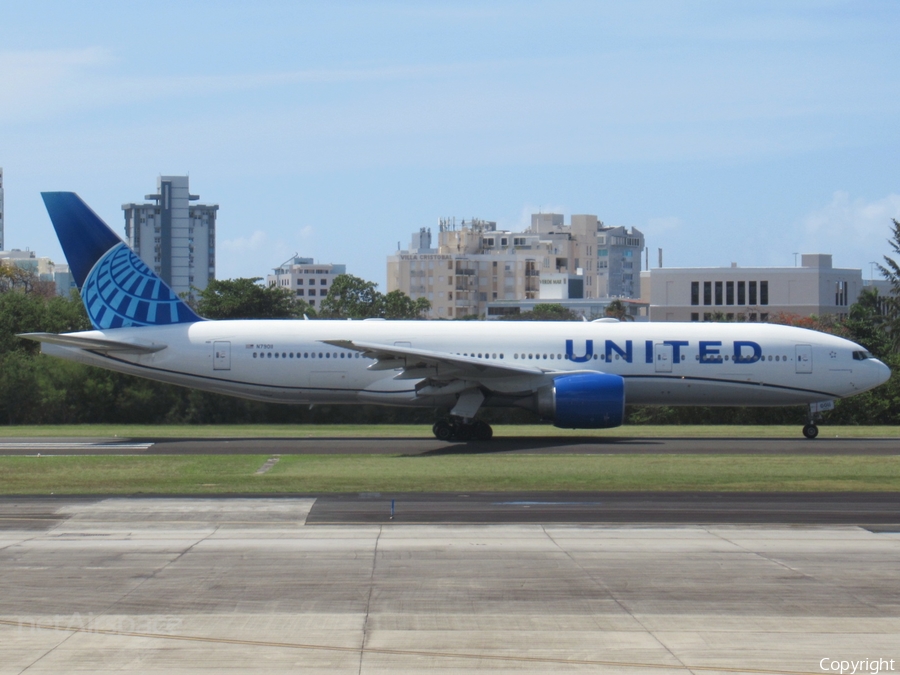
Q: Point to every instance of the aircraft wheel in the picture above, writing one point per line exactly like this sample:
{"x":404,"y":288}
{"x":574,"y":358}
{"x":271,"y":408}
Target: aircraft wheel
{"x":810,"y":431}
{"x":464,"y":432}
{"x":483,"y":431}
{"x":443,"y":430}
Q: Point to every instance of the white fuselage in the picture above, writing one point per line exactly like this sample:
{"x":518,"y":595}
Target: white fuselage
{"x":661,"y":363}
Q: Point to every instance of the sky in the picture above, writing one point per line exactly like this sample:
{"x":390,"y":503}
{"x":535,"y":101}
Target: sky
{"x":725,"y":132}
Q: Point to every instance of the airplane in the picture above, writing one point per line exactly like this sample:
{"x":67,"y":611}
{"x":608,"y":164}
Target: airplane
{"x":577,"y":375}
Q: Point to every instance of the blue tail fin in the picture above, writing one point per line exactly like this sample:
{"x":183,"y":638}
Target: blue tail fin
{"x":117,"y":288}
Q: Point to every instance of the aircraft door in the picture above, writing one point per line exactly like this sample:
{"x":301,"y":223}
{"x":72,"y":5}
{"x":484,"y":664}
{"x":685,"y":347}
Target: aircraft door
{"x":804,"y":358}
{"x":221,"y":356}
{"x":662,"y":356}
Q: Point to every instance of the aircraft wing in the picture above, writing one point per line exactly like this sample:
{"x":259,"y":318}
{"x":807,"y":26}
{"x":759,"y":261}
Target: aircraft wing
{"x":93,"y":344}
{"x":425,"y":363}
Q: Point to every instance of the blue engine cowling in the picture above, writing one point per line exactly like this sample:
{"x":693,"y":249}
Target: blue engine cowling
{"x":584,"y":401}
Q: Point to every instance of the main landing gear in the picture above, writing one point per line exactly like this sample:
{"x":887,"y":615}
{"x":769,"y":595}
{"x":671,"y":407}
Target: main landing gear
{"x":459,"y":429}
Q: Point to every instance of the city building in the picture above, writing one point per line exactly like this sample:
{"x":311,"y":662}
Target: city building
{"x":43,"y":269}
{"x":588,"y":308}
{"x":175,"y":238}
{"x":2,"y":247}
{"x":305,"y":279}
{"x":736,"y":293}
{"x":474,"y":264}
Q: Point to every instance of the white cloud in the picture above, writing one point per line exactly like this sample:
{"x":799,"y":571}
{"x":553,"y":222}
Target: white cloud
{"x":252,"y":243}
{"x":853,"y":219}
{"x":856,"y":230}
{"x":37,"y":82}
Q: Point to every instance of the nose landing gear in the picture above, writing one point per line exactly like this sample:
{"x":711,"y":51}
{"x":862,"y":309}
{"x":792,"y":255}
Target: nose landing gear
{"x":810,"y":430}
{"x":459,"y":429}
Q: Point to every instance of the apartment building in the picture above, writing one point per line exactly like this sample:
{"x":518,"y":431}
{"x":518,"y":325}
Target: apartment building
{"x":43,"y":268}
{"x":305,"y":279}
{"x":175,"y":238}
{"x":474,"y":264}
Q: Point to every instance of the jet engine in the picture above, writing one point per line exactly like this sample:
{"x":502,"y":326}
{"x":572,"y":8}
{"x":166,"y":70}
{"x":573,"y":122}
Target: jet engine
{"x":584,"y":401}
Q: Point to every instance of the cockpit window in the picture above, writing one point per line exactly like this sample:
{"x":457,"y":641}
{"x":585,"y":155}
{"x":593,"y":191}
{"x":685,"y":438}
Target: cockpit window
{"x":862,"y":356}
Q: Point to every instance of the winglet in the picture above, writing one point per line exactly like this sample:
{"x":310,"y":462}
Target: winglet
{"x":118,"y":289}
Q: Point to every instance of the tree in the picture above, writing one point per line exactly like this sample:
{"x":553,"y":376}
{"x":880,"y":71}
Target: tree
{"x":550,"y":311}
{"x":353,"y":298}
{"x":867,"y":323}
{"x":245,"y":299}
{"x":15,"y":278}
{"x":617,"y":310}
{"x":891,"y":271}
{"x":398,"y":305}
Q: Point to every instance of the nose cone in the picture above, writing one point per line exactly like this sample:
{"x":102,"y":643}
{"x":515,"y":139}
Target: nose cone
{"x":882,"y":373}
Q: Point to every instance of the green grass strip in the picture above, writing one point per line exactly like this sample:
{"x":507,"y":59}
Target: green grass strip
{"x":208,"y":474}
{"x":135,"y":431}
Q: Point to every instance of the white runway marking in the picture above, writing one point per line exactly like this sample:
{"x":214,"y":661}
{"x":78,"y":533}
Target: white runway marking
{"x":49,"y":448}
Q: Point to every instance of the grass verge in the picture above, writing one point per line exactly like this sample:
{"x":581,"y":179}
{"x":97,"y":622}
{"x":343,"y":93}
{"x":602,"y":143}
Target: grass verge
{"x":135,"y":431}
{"x":206,"y":474}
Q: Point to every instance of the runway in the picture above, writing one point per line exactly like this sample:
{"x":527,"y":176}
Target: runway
{"x":431,"y":446}
{"x":878,"y":511}
{"x":248,"y":585}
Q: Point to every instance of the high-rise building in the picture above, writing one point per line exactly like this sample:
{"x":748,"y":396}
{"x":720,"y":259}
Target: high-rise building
{"x":1,"y":210}
{"x":175,"y":238}
{"x":475,"y":264}
{"x":305,"y":279}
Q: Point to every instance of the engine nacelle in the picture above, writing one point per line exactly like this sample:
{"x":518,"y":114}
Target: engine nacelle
{"x":584,"y":401}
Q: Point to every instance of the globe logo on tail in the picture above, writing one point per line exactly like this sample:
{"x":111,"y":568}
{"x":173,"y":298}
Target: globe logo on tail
{"x":122,"y":291}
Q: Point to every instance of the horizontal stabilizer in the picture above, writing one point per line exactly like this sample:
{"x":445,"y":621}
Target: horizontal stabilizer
{"x":93,"y":344}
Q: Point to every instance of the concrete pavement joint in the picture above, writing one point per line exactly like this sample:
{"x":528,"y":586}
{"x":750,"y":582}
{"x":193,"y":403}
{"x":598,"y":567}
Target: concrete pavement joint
{"x":411,"y":652}
{"x":599,"y":583}
{"x":150,"y":577}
